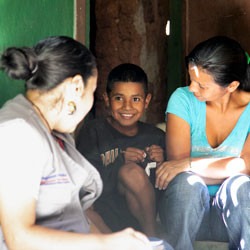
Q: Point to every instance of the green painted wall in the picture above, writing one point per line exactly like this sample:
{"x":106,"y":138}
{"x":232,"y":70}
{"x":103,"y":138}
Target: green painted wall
{"x":24,"y":22}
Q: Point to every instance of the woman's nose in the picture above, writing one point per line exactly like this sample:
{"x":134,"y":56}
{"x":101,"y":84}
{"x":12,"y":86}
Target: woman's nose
{"x":193,"y":87}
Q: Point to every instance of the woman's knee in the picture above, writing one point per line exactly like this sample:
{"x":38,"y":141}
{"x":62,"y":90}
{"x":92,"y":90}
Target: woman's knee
{"x":185,"y":199}
{"x":186,"y":188}
{"x":234,"y":191}
{"x":187,"y":182}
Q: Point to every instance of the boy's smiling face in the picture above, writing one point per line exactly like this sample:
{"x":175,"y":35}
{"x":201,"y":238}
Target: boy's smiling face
{"x":127,"y":102}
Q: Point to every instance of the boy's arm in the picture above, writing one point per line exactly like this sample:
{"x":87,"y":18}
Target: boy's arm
{"x":132,"y":154}
{"x":155,"y":153}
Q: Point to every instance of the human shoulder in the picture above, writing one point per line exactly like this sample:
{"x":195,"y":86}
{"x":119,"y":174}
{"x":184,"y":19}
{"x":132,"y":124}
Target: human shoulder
{"x":18,"y":115}
{"x":93,"y":130}
{"x":149,"y":134}
{"x":241,"y":98}
{"x":19,"y":126}
{"x":16,"y":108}
{"x":21,"y":131}
{"x":182,"y":98}
{"x":94,"y":124}
{"x":185,"y":105}
{"x":182,"y":94}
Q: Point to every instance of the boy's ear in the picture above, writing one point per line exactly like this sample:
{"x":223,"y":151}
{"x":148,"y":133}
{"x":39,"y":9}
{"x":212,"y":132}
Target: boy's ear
{"x":106,"y":99}
{"x":147,"y":100}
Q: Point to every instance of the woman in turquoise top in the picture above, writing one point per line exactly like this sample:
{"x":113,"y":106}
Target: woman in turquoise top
{"x":206,"y":177}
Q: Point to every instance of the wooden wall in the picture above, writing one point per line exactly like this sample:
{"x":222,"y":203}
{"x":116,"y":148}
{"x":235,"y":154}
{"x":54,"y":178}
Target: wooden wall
{"x":204,"y":19}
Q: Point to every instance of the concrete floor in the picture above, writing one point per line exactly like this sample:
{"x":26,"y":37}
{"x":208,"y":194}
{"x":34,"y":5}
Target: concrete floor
{"x":210,"y":245}
{"x":198,"y":245}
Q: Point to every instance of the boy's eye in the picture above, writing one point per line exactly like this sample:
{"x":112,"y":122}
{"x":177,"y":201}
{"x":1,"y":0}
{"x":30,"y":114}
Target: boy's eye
{"x":117,"y":98}
{"x":136,"y":99}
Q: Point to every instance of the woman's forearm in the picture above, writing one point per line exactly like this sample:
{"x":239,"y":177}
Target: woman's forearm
{"x":217,"y":168}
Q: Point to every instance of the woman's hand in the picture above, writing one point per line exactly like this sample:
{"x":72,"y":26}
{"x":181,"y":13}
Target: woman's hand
{"x":129,"y":239}
{"x":168,"y":170}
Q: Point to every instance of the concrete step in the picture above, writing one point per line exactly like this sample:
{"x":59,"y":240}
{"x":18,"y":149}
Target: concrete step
{"x":210,"y":245}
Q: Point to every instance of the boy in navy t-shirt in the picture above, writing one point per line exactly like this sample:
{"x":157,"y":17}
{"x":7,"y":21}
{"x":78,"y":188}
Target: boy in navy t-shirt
{"x":126,"y":152}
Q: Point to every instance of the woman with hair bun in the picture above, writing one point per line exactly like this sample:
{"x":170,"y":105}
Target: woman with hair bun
{"x":45,"y":183}
{"x":206,"y":178}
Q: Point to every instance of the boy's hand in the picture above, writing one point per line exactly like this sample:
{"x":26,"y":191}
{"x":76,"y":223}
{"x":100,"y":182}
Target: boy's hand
{"x":155,"y":153}
{"x":134,"y":155}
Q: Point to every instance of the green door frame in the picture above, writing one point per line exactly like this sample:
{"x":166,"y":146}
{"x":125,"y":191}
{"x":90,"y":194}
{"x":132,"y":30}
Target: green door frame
{"x":175,"y":47}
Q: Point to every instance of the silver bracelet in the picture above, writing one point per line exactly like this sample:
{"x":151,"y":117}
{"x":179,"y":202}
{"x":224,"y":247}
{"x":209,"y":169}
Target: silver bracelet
{"x":190,"y":162}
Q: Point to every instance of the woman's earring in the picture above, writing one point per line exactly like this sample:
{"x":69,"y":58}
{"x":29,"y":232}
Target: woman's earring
{"x":71,"y":108}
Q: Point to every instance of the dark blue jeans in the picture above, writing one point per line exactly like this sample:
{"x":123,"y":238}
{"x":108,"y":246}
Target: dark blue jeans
{"x":189,"y":213}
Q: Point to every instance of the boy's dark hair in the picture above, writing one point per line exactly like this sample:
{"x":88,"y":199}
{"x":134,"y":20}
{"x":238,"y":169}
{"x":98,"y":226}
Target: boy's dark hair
{"x":224,"y":59}
{"x":127,"y":72}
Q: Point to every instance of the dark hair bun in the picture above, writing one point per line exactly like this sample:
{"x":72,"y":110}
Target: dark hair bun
{"x":18,"y":63}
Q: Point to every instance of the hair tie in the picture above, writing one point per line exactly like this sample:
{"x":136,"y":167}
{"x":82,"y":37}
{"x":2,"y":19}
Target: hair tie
{"x":34,"y":70}
{"x":248,"y":58}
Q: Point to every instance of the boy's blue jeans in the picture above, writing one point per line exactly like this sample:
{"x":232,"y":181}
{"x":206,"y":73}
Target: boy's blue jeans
{"x":188,"y":213}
